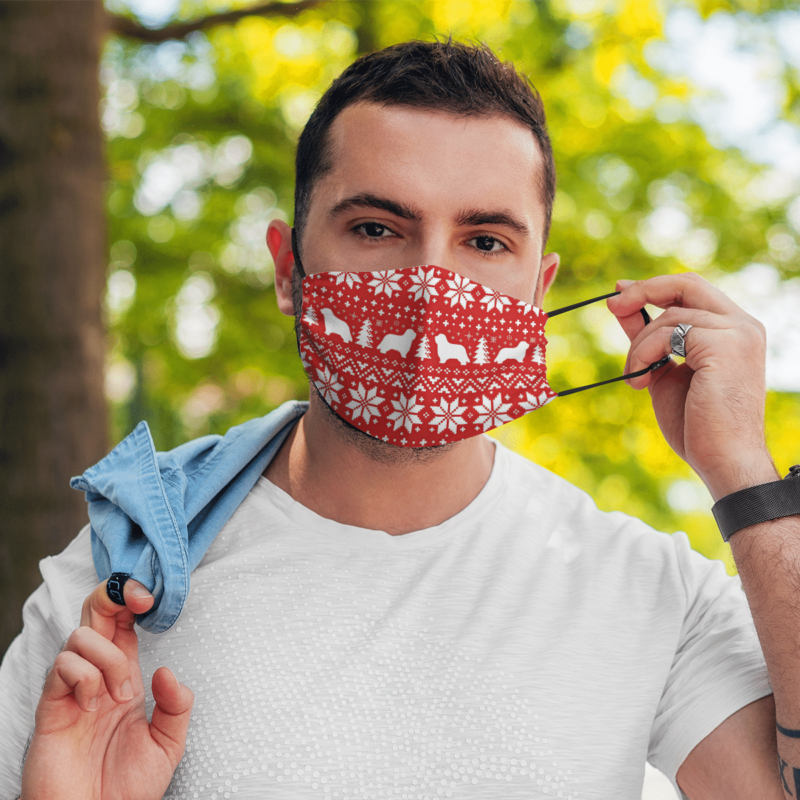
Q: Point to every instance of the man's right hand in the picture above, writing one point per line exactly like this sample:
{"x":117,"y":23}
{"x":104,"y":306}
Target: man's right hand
{"x":92,"y":740}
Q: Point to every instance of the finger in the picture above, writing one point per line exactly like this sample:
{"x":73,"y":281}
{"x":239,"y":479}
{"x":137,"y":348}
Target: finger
{"x":112,"y":662}
{"x":634,"y":325}
{"x":171,"y":715}
{"x":655,"y":342}
{"x":72,"y":674}
{"x":687,"y":290}
{"x":631,"y":324}
{"x":102,"y":614}
{"x":673,"y":317}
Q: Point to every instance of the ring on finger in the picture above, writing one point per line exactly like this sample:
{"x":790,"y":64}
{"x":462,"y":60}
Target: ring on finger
{"x":677,"y":340}
{"x":114,"y":587}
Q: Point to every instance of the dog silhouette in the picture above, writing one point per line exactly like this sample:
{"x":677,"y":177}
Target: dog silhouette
{"x":400,"y":343}
{"x":447,"y":350}
{"x":516,"y":353}
{"x":335,"y":325}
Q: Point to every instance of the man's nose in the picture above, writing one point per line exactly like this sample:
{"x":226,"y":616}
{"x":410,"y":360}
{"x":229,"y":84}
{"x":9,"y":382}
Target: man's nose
{"x":434,"y":249}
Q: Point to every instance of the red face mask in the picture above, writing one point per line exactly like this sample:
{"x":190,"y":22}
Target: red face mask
{"x":422,"y":356}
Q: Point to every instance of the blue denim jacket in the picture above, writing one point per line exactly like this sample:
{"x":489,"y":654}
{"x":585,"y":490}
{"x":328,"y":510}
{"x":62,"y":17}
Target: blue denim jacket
{"x":154,"y":515}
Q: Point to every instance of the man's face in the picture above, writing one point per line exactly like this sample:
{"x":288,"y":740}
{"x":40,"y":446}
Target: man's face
{"x":416,"y":187}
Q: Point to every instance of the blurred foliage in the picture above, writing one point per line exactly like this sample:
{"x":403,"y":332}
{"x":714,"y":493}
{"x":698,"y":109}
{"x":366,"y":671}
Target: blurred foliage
{"x":201,"y":137}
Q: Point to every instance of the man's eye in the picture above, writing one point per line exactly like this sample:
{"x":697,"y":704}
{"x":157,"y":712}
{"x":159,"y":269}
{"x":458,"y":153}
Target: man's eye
{"x":488,"y":244}
{"x":373,"y":230}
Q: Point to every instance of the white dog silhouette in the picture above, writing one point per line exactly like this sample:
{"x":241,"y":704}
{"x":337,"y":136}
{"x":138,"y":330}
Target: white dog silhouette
{"x":400,"y":343}
{"x":447,"y":350}
{"x":335,"y":325}
{"x":517,"y":353}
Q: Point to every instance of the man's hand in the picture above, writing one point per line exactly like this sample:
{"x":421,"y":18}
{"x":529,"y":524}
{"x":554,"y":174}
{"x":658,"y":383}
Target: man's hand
{"x":710,"y":408}
{"x":92,"y":740}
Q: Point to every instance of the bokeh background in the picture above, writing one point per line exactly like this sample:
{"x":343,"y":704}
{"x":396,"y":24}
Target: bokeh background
{"x":146,"y":144}
{"x":676,"y":131}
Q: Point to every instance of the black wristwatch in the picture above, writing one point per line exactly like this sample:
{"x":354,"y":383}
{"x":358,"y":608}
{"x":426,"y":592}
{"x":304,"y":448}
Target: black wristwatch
{"x":758,"y":504}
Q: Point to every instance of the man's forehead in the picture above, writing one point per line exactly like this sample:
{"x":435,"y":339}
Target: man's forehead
{"x":375,"y":117}
{"x":374,"y":146}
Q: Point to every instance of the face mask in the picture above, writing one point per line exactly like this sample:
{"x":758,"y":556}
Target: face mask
{"x":421,"y":356}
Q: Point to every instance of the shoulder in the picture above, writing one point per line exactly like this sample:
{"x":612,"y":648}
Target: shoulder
{"x":68,"y":578}
{"x":567,"y":522}
{"x":558,"y":503}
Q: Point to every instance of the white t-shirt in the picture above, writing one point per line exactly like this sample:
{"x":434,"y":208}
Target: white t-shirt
{"x":529,"y":647}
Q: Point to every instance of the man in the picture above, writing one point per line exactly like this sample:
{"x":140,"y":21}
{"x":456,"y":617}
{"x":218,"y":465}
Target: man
{"x":383,"y":621}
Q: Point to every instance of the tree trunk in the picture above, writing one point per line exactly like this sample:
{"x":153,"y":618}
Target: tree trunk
{"x":52,"y":269}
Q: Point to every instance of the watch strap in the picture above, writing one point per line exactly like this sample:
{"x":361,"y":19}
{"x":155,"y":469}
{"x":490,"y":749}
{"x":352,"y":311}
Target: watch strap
{"x":757,"y":504}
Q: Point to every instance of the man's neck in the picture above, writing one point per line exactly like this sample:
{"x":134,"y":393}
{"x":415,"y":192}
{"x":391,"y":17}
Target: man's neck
{"x":323,"y":470}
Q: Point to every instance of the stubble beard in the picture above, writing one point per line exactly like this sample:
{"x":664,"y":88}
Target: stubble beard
{"x":369,"y":446}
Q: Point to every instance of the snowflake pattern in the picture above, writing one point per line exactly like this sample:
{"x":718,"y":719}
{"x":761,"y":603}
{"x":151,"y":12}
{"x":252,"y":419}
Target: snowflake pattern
{"x":429,"y":396}
{"x":365,"y":403}
{"x":460,"y":291}
{"x":387,"y":282}
{"x":349,"y":279}
{"x":406,"y":413}
{"x":448,"y":415}
{"x":328,"y":385}
{"x":495,"y":300}
{"x":493,"y":413}
{"x":532,"y":402}
{"x":423,"y":284}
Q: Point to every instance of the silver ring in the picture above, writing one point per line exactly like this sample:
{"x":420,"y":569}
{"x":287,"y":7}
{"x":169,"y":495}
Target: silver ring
{"x":677,"y":340}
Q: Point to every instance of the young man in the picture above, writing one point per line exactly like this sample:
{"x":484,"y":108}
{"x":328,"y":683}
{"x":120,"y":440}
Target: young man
{"x":384,"y":621}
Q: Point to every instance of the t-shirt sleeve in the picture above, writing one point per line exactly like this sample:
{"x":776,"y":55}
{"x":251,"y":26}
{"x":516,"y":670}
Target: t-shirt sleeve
{"x":50,"y":614}
{"x":718,"y":666}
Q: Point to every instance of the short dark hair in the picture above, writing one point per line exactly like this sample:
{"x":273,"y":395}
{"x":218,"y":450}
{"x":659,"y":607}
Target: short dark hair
{"x":447,"y":76}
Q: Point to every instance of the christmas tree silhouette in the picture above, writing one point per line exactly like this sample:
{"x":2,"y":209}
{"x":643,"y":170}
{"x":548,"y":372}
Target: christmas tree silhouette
{"x":424,"y":350}
{"x":538,"y":355}
{"x":365,"y":335}
{"x":482,"y":353}
{"x":311,"y":316}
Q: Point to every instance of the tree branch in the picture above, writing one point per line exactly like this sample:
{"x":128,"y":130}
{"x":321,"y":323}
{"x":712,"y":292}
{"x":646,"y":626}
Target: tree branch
{"x":123,"y":26}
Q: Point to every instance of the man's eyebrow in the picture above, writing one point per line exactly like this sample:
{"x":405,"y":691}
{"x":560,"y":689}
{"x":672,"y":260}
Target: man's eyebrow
{"x":474,"y":217}
{"x":366,"y":200}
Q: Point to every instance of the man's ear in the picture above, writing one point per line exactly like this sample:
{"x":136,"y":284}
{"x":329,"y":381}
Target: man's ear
{"x":279,"y":242}
{"x":547,"y":274}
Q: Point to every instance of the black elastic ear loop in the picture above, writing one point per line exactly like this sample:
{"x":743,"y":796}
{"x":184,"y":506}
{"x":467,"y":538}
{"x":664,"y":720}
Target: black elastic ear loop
{"x":297,"y":260}
{"x":647,"y":321}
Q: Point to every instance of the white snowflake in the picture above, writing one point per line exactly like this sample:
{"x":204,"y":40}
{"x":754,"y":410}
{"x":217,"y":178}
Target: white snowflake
{"x":448,"y":415}
{"x":348,"y":278}
{"x":459,"y":291}
{"x":533,"y":402}
{"x":406,"y":412}
{"x":493,"y":412}
{"x":328,"y":385}
{"x":423,"y":284}
{"x":385,"y":282}
{"x":495,"y":300}
{"x":365,"y":403}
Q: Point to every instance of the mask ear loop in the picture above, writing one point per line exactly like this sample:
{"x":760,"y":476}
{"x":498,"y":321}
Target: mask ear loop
{"x":296,"y":255}
{"x":647,"y":321}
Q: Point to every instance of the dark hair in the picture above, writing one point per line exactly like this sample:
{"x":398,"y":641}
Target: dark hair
{"x":448,"y":76}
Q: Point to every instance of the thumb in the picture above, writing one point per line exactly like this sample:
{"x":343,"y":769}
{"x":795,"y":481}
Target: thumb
{"x":171,"y":715}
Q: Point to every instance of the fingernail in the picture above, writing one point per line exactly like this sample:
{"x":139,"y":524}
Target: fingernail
{"x":624,"y":283}
{"x":139,"y":593}
{"x":93,"y":704}
{"x":126,"y":691}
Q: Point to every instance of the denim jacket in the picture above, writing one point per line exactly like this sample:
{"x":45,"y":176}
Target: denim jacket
{"x":154,"y":515}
